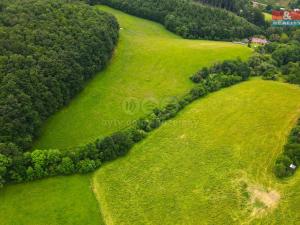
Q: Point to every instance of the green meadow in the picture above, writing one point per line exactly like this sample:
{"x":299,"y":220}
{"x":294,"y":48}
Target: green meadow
{"x":149,"y":63}
{"x":55,"y":201}
{"x":268,"y":16}
{"x":212,"y":164}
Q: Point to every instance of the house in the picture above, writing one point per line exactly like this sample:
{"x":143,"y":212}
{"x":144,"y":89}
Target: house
{"x":261,"y":41}
{"x":293,"y":167}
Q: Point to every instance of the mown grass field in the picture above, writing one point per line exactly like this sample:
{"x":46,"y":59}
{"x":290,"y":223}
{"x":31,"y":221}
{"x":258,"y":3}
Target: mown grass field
{"x":149,"y":63}
{"x":55,"y":201}
{"x":212,"y":164}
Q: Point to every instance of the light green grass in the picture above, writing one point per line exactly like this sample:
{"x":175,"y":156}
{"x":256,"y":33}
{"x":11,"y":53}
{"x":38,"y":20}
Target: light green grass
{"x":268,"y":16}
{"x":55,"y":201}
{"x":196,"y":168}
{"x":149,"y":62}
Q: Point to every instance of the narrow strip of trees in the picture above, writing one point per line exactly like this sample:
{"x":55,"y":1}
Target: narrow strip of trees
{"x":243,"y":8}
{"x":287,"y":163}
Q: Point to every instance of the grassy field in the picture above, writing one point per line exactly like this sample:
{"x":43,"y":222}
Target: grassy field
{"x":149,"y":63}
{"x":212,"y":164}
{"x":268,"y":16}
{"x":55,"y":201}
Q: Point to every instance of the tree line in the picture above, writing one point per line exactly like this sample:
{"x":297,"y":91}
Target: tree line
{"x":17,"y":166}
{"x":280,"y":59}
{"x":48,"y":50}
{"x":187,"y":18}
{"x":242,"y":8}
{"x":290,"y":155}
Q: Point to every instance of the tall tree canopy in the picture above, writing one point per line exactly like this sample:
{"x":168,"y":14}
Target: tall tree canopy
{"x":187,"y":18}
{"x":242,"y":8}
{"x":48,"y":49}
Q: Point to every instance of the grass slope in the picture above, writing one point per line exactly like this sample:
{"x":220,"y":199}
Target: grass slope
{"x":149,"y":62}
{"x":268,"y":16}
{"x":55,"y":201}
{"x":210,"y":165}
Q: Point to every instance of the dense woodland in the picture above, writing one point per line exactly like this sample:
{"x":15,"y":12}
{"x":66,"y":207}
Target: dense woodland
{"x":294,"y":4}
{"x":48,"y":49}
{"x":187,"y":18}
{"x":231,"y":5}
{"x":242,"y":8}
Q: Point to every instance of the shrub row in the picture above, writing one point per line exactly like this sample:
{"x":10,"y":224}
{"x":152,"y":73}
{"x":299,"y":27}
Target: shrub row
{"x":227,"y":67}
{"x":18,"y":167}
{"x":187,"y":18}
{"x":290,"y":155}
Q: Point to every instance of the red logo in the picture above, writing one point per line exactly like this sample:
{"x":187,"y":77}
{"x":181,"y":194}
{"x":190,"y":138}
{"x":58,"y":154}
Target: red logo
{"x":286,"y":15}
{"x":286,"y":18}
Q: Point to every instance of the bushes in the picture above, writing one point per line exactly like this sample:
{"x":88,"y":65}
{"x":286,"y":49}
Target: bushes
{"x":228,"y":67}
{"x":86,"y":166}
{"x":280,"y":59}
{"x":4,"y":163}
{"x":48,"y":49}
{"x":187,"y":18}
{"x":290,"y":155}
{"x":286,"y":53}
{"x":291,"y":72}
{"x":66,"y":166}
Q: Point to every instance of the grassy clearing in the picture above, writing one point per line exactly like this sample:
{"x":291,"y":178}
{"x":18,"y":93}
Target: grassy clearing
{"x":149,"y":63}
{"x":268,"y":16}
{"x":210,"y":165}
{"x":55,"y":201}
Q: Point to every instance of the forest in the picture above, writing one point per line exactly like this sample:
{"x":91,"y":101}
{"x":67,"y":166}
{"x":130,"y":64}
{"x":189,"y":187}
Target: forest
{"x":48,"y":50}
{"x":242,"y":8}
{"x":188,"y":19}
